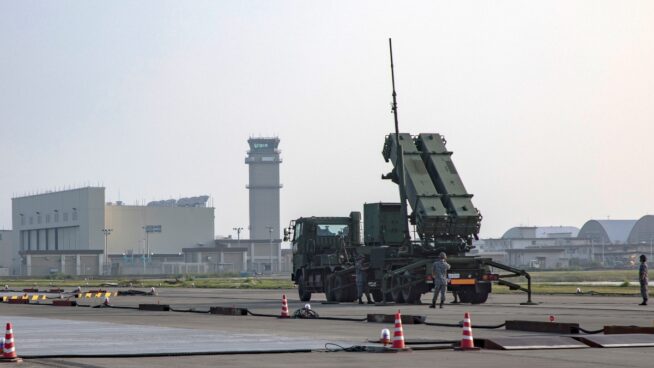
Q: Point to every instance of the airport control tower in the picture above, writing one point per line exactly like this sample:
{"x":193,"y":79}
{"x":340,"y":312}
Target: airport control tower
{"x":263,"y":161}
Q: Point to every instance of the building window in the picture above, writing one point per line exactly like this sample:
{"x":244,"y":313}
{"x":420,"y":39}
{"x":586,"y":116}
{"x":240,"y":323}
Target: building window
{"x":38,"y":219}
{"x":47,"y":218}
{"x":56,"y":217}
{"x":22,"y":220}
{"x":65,"y":216}
{"x":74,"y":215}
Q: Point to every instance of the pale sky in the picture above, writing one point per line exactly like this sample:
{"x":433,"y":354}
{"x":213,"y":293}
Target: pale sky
{"x":547,"y":105}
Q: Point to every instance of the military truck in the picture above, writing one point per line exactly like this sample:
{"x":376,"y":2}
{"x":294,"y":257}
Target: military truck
{"x":400,"y":267}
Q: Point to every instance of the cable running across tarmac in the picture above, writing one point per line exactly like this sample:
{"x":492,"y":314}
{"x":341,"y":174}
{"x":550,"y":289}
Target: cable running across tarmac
{"x":460,"y":324}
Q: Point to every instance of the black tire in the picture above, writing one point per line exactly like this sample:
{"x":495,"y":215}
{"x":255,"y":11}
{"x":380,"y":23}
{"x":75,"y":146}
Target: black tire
{"x":465,"y":295}
{"x":470,"y":295}
{"x":305,"y":295}
{"x":479,"y":297}
{"x":341,"y":292}
{"x":397,"y":292}
{"x":329,"y":290}
{"x":410,"y":293}
{"x":377,"y":295}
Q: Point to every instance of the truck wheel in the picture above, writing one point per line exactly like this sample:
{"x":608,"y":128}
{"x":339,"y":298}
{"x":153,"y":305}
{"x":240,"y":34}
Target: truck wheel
{"x":329,"y":290}
{"x":305,"y":295}
{"x":465,"y":295}
{"x":470,"y":295}
{"x":340,"y":290}
{"x":410,"y":293}
{"x":479,"y":297}
{"x":396,"y":284}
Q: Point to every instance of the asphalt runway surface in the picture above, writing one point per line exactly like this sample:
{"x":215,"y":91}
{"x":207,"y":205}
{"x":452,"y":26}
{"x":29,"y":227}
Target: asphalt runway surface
{"x":250,"y":340}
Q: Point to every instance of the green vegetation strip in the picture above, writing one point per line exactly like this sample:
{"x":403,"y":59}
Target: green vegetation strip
{"x":217,"y":282}
{"x":585,"y":276}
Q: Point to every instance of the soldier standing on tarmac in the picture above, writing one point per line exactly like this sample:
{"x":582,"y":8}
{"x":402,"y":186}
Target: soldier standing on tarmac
{"x":644,"y":280}
{"x":439,"y":272}
{"x":362,"y":278}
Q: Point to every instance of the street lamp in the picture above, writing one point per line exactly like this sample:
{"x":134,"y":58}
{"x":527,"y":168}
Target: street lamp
{"x":238,"y":234}
{"x":270,"y":231}
{"x":106,"y":232}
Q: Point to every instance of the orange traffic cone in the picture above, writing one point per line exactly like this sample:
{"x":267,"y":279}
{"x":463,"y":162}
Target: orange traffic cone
{"x":9,"y":348}
{"x":398,"y":334}
{"x":284,"y":307}
{"x":467,"y":343}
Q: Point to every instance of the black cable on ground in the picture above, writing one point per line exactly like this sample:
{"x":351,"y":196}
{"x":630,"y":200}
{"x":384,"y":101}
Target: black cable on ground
{"x":121,"y":307}
{"x":344,"y":319}
{"x":154,"y":355}
{"x":591,"y":332}
{"x":461,"y":325}
{"x":190,"y":310}
{"x":353,"y":348}
{"x":440,"y":347}
{"x":261,"y":314}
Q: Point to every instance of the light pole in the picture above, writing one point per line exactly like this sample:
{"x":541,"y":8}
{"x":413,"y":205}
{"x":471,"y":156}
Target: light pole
{"x":270,"y":231}
{"x":106,"y":232}
{"x":238,"y":235}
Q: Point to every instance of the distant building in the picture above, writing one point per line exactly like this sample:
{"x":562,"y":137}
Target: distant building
{"x":599,"y":243}
{"x":264,"y":246}
{"x":6,"y":252}
{"x":62,"y":232}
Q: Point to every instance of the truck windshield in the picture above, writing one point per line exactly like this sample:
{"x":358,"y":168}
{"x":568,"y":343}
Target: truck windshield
{"x":332,"y":230}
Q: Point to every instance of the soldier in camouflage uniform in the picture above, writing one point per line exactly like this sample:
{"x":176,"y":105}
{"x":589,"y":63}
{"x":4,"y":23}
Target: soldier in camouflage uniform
{"x":361,"y":268}
{"x":439,"y":272}
{"x":643,"y":279}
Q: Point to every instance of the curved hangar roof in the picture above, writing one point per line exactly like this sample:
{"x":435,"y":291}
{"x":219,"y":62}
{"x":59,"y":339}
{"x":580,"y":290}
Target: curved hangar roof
{"x":643,"y":230}
{"x":607,"y":231}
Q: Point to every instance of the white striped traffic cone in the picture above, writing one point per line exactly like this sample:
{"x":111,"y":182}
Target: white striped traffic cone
{"x":398,"y":334}
{"x":467,"y":342}
{"x":284,"y":313}
{"x":9,"y":347}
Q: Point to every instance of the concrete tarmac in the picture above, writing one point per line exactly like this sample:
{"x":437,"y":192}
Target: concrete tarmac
{"x":247,"y":332}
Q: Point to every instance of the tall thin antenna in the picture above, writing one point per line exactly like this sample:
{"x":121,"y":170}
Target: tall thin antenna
{"x":399,"y":167}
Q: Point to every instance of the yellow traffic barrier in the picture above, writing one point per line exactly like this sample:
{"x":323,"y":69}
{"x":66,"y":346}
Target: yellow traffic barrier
{"x":95,"y":295}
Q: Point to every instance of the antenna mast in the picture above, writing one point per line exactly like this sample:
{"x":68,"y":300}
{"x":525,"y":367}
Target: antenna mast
{"x":398,"y":149}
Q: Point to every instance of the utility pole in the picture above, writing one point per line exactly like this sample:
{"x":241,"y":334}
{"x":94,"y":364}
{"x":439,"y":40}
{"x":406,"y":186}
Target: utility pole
{"x":238,"y":235}
{"x":270,"y":231}
{"x":106,"y":233}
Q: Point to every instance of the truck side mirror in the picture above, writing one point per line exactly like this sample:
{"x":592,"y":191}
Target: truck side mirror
{"x":286,"y":235}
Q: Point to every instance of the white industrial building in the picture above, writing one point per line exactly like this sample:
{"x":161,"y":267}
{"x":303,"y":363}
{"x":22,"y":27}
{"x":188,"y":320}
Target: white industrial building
{"x":66,"y":231}
{"x":6,"y":252}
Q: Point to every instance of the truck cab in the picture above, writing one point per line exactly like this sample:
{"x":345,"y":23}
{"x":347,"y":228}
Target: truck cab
{"x":321,"y":246}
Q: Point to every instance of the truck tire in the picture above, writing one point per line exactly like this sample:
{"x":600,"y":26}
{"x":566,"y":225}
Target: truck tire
{"x":329,"y":289}
{"x":396,"y":284}
{"x":479,"y":297}
{"x":305,"y":295}
{"x":410,"y":293}
{"x":342,"y":293}
{"x":377,"y":295}
{"x":465,"y":295}
{"x":470,"y":295}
